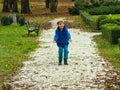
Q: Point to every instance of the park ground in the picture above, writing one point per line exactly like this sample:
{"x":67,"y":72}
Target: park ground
{"x":86,"y":66}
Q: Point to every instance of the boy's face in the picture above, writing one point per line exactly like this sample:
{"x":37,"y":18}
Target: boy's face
{"x":61,"y":25}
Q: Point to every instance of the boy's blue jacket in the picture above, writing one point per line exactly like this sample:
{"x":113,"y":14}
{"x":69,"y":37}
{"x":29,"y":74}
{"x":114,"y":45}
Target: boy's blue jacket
{"x":62,"y":37}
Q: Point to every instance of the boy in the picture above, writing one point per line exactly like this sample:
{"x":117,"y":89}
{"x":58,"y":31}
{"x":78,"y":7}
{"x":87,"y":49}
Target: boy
{"x":62,"y":38}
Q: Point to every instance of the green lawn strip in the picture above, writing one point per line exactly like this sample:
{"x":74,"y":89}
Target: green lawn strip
{"x":14,"y":47}
{"x":108,"y":51}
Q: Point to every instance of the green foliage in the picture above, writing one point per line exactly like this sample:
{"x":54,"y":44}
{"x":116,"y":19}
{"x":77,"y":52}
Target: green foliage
{"x":73,"y":11}
{"x":17,"y":17}
{"x":89,"y":20}
{"x":6,"y":20}
{"x":111,"y":32}
{"x":100,"y":18}
{"x":110,"y":20}
{"x":119,"y":42}
{"x":14,"y":45}
{"x":111,"y":3}
{"x":108,"y":51}
{"x":102,"y":10}
{"x":21,"y":20}
{"x":80,"y":4}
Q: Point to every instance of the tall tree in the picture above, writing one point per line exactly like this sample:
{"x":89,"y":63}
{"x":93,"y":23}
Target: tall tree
{"x":14,"y":5}
{"x":10,"y":5}
{"x":5,"y":6}
{"x":25,"y":7}
{"x":47,"y":2}
{"x":53,"y":5}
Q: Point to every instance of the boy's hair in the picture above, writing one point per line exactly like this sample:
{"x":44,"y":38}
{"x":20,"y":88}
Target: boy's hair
{"x":60,"y":22}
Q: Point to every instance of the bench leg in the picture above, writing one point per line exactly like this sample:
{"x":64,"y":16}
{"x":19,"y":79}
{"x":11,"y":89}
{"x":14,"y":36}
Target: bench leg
{"x":37,"y":32}
{"x":28,"y":33}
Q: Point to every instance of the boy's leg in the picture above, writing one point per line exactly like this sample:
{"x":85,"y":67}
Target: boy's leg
{"x":60,"y":52}
{"x":66,"y":54}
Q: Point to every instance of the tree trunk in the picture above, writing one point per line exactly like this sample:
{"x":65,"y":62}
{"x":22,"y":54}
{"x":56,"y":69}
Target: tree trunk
{"x":5,"y":6}
{"x":25,"y":7}
{"x":47,"y":2}
{"x":10,"y":6}
{"x":53,"y":5}
{"x":15,"y":6}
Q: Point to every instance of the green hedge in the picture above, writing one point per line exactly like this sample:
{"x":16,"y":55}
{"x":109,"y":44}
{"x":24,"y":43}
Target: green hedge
{"x":119,"y":42}
{"x":110,"y":20}
{"x":6,"y":20}
{"x":111,"y":32}
{"x":102,"y":10}
{"x":89,"y":20}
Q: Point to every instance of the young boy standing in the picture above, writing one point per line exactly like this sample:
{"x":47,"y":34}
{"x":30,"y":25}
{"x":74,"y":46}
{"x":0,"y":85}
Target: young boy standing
{"x":62,"y":37}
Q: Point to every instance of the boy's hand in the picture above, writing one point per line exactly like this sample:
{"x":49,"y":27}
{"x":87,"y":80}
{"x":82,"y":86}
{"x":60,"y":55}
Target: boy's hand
{"x":70,"y":40}
{"x":54,"y":41}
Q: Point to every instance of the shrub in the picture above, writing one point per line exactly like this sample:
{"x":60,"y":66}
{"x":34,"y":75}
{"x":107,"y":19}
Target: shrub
{"x":111,"y":3}
{"x":6,"y":20}
{"x":119,"y":42}
{"x":89,"y":20}
{"x":10,"y":20}
{"x":111,"y":32}
{"x":17,"y":17}
{"x":102,"y":10}
{"x":110,"y":20}
{"x":73,"y":10}
{"x":100,"y":18}
{"x":21,"y":20}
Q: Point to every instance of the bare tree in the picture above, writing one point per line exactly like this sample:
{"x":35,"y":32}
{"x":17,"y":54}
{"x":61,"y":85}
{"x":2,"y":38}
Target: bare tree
{"x":25,"y":8}
{"x":14,"y":5}
{"x":10,"y":5}
{"x":53,"y":5}
{"x":5,"y":6}
{"x":47,"y":2}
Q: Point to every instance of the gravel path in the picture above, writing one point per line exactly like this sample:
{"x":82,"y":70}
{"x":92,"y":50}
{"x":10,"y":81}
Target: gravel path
{"x":86,"y":69}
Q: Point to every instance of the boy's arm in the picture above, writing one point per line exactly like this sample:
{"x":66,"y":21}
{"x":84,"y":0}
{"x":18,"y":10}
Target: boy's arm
{"x":69,"y":37}
{"x":56,"y":36}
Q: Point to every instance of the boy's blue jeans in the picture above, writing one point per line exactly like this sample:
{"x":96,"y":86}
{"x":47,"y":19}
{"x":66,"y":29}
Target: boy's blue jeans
{"x":60,"y":53}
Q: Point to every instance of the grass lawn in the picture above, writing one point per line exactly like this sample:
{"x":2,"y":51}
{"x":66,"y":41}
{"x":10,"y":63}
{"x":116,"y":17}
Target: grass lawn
{"x":108,"y":51}
{"x":14,"y":47}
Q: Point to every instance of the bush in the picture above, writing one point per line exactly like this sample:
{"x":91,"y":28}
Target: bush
{"x":111,"y":3}
{"x":111,"y":32}
{"x":6,"y":20}
{"x":21,"y":20}
{"x":100,"y":18}
{"x":17,"y":17}
{"x":73,"y":11}
{"x":10,"y":20}
{"x":89,"y":20}
{"x":102,"y":10}
{"x":119,"y":42}
{"x":110,"y":20}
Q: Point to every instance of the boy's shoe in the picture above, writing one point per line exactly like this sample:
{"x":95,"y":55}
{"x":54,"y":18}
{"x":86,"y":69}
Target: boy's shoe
{"x":65,"y":63}
{"x":60,"y":63}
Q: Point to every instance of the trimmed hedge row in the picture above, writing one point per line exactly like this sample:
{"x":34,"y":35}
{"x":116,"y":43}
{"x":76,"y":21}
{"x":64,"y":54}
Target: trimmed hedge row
{"x":110,"y":20}
{"x":89,"y":20}
{"x":111,"y":32}
{"x":119,"y":42}
{"x":102,"y":10}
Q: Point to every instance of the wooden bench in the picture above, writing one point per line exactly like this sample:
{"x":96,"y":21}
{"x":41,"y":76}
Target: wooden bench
{"x":32,"y":28}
